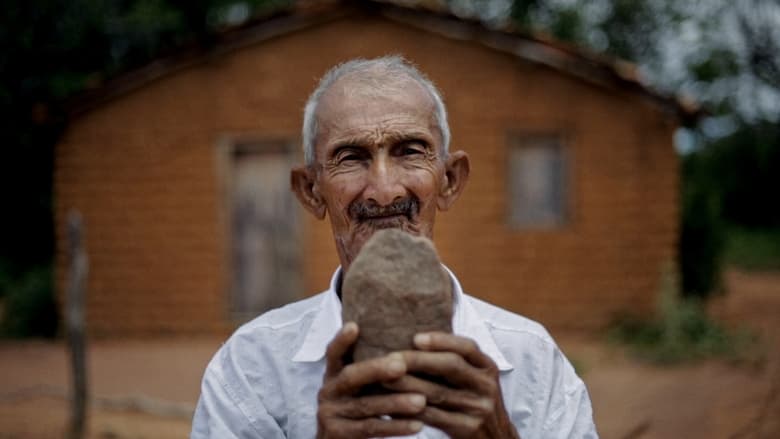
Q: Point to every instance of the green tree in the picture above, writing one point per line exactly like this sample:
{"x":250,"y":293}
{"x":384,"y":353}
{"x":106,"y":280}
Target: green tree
{"x":50,"y":51}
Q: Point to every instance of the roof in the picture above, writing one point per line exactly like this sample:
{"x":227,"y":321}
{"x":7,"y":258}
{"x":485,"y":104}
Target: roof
{"x":429,"y":16}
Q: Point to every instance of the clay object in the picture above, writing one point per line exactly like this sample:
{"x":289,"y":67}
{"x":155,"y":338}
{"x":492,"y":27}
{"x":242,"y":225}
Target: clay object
{"x":395,"y":288}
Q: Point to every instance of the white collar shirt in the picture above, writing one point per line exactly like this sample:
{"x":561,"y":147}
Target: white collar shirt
{"x":263,"y":382}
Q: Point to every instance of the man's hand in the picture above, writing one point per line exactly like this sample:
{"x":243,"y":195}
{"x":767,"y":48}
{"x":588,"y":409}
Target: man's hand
{"x":343,"y":413}
{"x":465,"y":401}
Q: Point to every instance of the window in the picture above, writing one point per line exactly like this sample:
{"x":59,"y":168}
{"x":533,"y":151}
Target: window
{"x":537,"y":181}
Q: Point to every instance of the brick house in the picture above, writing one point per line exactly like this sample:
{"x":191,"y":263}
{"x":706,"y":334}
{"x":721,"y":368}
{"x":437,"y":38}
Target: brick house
{"x":180,"y":170}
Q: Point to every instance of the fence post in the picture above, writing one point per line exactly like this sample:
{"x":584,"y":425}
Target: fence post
{"x":75,"y":323}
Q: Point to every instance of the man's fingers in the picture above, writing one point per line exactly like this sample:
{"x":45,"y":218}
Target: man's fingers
{"x":338,"y":347}
{"x":450,"y":367}
{"x":458,"y":404}
{"x":442,"y":396}
{"x":399,"y":404}
{"x":444,"y":342}
{"x":356,"y":375}
{"x":456,"y":424}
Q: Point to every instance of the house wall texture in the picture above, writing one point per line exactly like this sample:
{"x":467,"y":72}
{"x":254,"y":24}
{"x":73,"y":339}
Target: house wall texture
{"x":147,"y":171}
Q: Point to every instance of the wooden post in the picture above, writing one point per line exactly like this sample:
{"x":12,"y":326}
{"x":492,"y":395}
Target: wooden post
{"x":75,"y":323}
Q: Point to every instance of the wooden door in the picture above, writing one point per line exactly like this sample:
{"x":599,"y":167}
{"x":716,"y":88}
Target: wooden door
{"x":265,"y":238}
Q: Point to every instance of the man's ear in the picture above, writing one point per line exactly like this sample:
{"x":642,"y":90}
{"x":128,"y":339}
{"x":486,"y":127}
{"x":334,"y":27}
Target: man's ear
{"x":303,"y":182}
{"x":456,"y":173}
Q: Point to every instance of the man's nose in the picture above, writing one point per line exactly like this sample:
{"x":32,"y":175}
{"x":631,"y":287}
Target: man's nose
{"x":384,"y":183}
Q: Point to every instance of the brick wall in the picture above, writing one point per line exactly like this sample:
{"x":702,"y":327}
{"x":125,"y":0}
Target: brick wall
{"x":145,"y":171}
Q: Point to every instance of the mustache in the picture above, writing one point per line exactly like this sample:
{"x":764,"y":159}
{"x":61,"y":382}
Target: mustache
{"x":365,"y":209}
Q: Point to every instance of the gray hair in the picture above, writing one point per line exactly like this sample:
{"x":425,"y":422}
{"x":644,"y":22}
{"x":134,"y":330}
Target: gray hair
{"x":392,"y":66}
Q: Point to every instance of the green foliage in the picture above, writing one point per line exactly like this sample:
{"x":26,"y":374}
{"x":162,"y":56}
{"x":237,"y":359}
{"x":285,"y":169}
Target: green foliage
{"x":728,"y":205}
{"x":568,"y":25}
{"x":522,"y":9}
{"x":719,"y":63}
{"x":745,"y":170}
{"x":632,"y":28}
{"x":50,"y":51}
{"x":29,"y":309}
{"x":702,"y":234}
{"x":753,"y":249}
{"x":624,"y":28}
{"x":682,"y":331}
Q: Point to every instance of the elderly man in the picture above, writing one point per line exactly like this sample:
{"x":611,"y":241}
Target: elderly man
{"x":376,"y":148}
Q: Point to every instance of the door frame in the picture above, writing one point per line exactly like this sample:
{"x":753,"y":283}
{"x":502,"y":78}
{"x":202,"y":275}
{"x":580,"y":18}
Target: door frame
{"x":227,"y":147}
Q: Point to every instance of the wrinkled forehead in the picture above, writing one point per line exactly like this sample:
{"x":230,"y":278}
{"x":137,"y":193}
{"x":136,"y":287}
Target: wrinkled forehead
{"x":352,"y":90}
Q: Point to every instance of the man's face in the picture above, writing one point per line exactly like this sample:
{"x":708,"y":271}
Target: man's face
{"x":378,"y":162}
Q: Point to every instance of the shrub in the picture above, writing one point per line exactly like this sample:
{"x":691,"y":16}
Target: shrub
{"x":29,"y":308}
{"x":682,"y":331}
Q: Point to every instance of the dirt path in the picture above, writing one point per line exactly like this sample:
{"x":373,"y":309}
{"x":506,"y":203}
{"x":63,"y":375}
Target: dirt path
{"x":713,"y":399}
{"x":149,"y":389}
{"x":139,"y":389}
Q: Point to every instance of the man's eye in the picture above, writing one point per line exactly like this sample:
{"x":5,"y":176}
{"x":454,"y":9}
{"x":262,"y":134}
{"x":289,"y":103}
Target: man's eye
{"x":410,"y":150}
{"x":348,"y":156}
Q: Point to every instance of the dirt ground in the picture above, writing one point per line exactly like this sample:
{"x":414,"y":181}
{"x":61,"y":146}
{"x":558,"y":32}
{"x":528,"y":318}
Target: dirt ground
{"x":148,"y":389}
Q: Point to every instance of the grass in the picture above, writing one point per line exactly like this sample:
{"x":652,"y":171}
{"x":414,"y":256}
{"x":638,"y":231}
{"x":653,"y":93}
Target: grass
{"x":753,"y":249}
{"x":682,"y":331}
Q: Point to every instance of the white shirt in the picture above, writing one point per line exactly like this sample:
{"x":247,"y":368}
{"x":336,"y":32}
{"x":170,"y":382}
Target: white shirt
{"x":263,"y":382}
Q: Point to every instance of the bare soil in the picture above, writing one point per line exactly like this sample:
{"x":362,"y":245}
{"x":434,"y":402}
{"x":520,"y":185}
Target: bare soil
{"x":709,"y":399}
{"x":148,"y":389}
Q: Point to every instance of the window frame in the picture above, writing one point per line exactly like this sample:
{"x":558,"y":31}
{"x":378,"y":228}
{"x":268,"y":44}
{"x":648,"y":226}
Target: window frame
{"x":561,"y":140}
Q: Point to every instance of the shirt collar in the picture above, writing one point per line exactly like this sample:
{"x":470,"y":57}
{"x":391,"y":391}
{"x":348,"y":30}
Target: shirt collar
{"x":466,"y":321}
{"x":325,"y":325}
